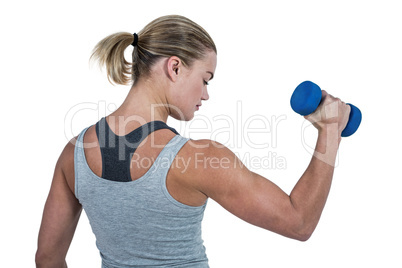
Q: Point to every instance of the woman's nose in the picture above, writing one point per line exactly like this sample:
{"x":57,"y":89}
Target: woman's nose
{"x":205,"y":95}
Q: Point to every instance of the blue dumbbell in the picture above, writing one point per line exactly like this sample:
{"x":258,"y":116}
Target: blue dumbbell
{"x":306,"y":98}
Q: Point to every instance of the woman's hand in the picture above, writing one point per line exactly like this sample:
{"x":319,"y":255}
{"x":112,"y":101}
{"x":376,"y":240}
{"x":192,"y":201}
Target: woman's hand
{"x":331,"y":115}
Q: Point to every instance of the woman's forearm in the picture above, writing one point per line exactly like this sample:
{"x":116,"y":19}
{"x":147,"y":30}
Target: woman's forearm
{"x":311,"y":191}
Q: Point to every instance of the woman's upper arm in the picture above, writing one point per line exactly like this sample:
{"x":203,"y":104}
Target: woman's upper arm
{"x":218,"y":173}
{"x":61,"y":213}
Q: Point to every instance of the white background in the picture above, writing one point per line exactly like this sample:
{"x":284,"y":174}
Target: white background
{"x":352,"y":49}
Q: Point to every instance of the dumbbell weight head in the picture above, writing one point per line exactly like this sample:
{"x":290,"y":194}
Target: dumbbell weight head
{"x":355,"y":118}
{"x":307,"y":97}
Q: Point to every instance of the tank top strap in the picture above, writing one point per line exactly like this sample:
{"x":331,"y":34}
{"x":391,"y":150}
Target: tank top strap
{"x":80,"y":164}
{"x":162,"y":165}
{"x":168,"y":154}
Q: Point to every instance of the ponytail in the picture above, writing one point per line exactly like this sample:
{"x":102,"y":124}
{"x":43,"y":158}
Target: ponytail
{"x":110,"y":53}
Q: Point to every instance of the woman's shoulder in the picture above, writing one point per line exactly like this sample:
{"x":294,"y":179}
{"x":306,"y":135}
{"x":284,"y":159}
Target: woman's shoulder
{"x":65,"y":163}
{"x":204,"y":161}
{"x":206,"y":150}
{"x":203,"y":146}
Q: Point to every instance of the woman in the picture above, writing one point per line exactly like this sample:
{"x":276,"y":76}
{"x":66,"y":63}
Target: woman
{"x":150,"y":214}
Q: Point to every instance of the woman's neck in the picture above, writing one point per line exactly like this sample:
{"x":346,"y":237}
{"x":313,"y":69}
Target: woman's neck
{"x":143,"y":104}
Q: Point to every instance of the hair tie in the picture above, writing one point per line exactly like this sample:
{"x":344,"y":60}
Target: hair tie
{"x":135,"y":42}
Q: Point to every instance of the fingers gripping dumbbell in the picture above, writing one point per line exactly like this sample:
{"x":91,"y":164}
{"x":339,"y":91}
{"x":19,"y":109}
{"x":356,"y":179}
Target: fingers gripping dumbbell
{"x":307,"y":97}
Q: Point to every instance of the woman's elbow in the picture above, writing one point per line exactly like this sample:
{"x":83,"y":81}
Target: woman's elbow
{"x":303,"y":231}
{"x":303,"y":236}
{"x":293,"y":228}
{"x":41,"y":259}
{"x":44,"y":260}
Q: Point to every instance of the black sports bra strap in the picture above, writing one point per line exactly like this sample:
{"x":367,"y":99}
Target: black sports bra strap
{"x":117,"y":150}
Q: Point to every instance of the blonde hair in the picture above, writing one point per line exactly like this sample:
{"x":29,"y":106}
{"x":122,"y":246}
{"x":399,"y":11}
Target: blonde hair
{"x":166,"y":36}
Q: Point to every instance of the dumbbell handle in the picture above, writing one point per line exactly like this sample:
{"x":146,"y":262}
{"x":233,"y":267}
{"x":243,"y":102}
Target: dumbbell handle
{"x":307,"y":97}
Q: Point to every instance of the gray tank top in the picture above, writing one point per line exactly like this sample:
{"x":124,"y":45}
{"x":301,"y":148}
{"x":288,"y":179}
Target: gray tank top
{"x":138,"y":223}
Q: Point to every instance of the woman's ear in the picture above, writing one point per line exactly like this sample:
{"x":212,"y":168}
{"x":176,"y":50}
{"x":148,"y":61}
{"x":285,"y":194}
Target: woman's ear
{"x":174,"y":66}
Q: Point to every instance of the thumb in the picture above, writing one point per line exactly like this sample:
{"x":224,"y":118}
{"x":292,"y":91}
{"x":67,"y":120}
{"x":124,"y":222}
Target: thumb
{"x":323,"y":94}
